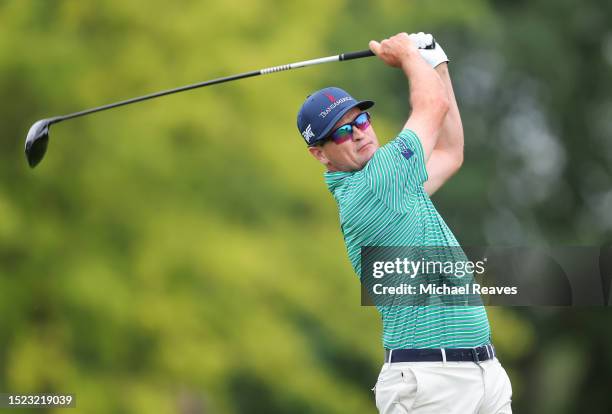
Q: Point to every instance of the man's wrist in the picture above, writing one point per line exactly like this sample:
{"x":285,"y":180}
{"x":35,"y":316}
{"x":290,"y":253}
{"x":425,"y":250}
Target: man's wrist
{"x":408,"y":57}
{"x":442,"y":68}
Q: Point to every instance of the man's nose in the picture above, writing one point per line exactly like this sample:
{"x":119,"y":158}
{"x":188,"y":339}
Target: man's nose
{"x":358,"y":134}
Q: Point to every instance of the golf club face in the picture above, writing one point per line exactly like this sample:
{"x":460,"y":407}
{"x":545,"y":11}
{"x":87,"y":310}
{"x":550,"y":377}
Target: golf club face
{"x":36,"y":142}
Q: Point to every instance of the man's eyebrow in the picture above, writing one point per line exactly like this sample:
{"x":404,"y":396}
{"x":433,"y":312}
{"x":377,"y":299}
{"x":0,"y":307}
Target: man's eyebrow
{"x":346,"y":120}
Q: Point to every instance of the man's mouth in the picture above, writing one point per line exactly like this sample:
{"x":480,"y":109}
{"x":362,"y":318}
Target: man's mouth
{"x":364,"y":146}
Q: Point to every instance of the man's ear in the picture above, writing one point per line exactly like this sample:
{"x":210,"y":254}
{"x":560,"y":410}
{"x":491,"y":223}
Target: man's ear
{"x":318,"y":153}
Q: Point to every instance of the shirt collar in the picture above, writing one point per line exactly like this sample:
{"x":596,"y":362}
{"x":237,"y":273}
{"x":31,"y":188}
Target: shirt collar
{"x":334,"y":179}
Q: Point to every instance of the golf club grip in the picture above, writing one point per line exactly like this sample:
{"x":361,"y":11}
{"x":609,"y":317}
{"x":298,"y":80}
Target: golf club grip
{"x":356,"y":55}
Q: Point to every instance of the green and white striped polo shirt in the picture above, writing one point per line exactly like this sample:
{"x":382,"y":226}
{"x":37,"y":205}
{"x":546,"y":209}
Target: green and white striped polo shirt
{"x":385,"y":204}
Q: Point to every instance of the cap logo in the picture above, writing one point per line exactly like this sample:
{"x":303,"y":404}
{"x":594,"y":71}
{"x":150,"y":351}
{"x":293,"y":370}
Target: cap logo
{"x":330,"y":97}
{"x":327,"y":110}
{"x":307,"y":133}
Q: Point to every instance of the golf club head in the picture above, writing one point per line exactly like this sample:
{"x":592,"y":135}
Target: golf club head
{"x":36,"y":142}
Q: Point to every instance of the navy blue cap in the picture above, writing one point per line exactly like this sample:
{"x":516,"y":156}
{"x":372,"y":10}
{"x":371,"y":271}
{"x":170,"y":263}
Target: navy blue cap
{"x":322,"y":110}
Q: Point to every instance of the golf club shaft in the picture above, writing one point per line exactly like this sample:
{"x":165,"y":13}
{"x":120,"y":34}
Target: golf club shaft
{"x":302,"y":64}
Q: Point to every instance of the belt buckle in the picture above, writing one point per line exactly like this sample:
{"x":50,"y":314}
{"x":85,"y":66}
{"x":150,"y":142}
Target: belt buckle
{"x":475,"y":355}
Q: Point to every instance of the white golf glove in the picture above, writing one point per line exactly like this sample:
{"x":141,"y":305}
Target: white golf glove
{"x":429,"y":49}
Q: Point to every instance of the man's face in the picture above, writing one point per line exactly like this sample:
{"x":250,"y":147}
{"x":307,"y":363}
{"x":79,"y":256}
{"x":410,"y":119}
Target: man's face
{"x":351,"y":155}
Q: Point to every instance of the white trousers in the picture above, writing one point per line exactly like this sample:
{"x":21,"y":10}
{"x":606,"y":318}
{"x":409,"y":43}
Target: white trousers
{"x":443,"y":388}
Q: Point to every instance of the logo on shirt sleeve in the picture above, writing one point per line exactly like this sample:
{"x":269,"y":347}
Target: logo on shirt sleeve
{"x":405,"y":151}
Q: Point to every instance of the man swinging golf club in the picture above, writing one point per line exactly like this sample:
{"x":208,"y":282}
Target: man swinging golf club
{"x":438,"y":359}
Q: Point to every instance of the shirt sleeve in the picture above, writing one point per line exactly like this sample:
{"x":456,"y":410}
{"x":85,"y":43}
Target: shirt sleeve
{"x":397,"y":170}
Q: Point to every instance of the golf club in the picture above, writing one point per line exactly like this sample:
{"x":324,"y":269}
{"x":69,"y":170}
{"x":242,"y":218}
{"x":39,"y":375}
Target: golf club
{"x":38,"y":135}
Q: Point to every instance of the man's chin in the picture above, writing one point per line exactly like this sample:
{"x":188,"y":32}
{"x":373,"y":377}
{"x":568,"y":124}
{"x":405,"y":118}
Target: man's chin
{"x":364,"y":159}
{"x":367,"y":153}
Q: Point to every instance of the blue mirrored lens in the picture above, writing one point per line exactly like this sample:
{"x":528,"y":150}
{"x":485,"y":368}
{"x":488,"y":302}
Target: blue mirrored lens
{"x":342,"y":131}
{"x":362,"y":120}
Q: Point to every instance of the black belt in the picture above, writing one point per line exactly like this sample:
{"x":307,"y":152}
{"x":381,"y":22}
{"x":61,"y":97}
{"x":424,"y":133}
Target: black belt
{"x":478,"y":354}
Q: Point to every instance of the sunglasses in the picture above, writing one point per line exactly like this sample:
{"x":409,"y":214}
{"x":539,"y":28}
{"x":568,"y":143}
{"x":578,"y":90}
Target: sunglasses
{"x":345,"y":132}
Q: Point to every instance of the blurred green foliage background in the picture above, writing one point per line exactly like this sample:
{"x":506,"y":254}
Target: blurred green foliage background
{"x":183,"y":255}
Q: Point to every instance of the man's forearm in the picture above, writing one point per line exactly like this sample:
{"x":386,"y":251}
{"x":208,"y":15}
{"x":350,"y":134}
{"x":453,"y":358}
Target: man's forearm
{"x":447,"y":155}
{"x":450,"y":139}
{"x":426,"y":88}
{"x":429,"y":101}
